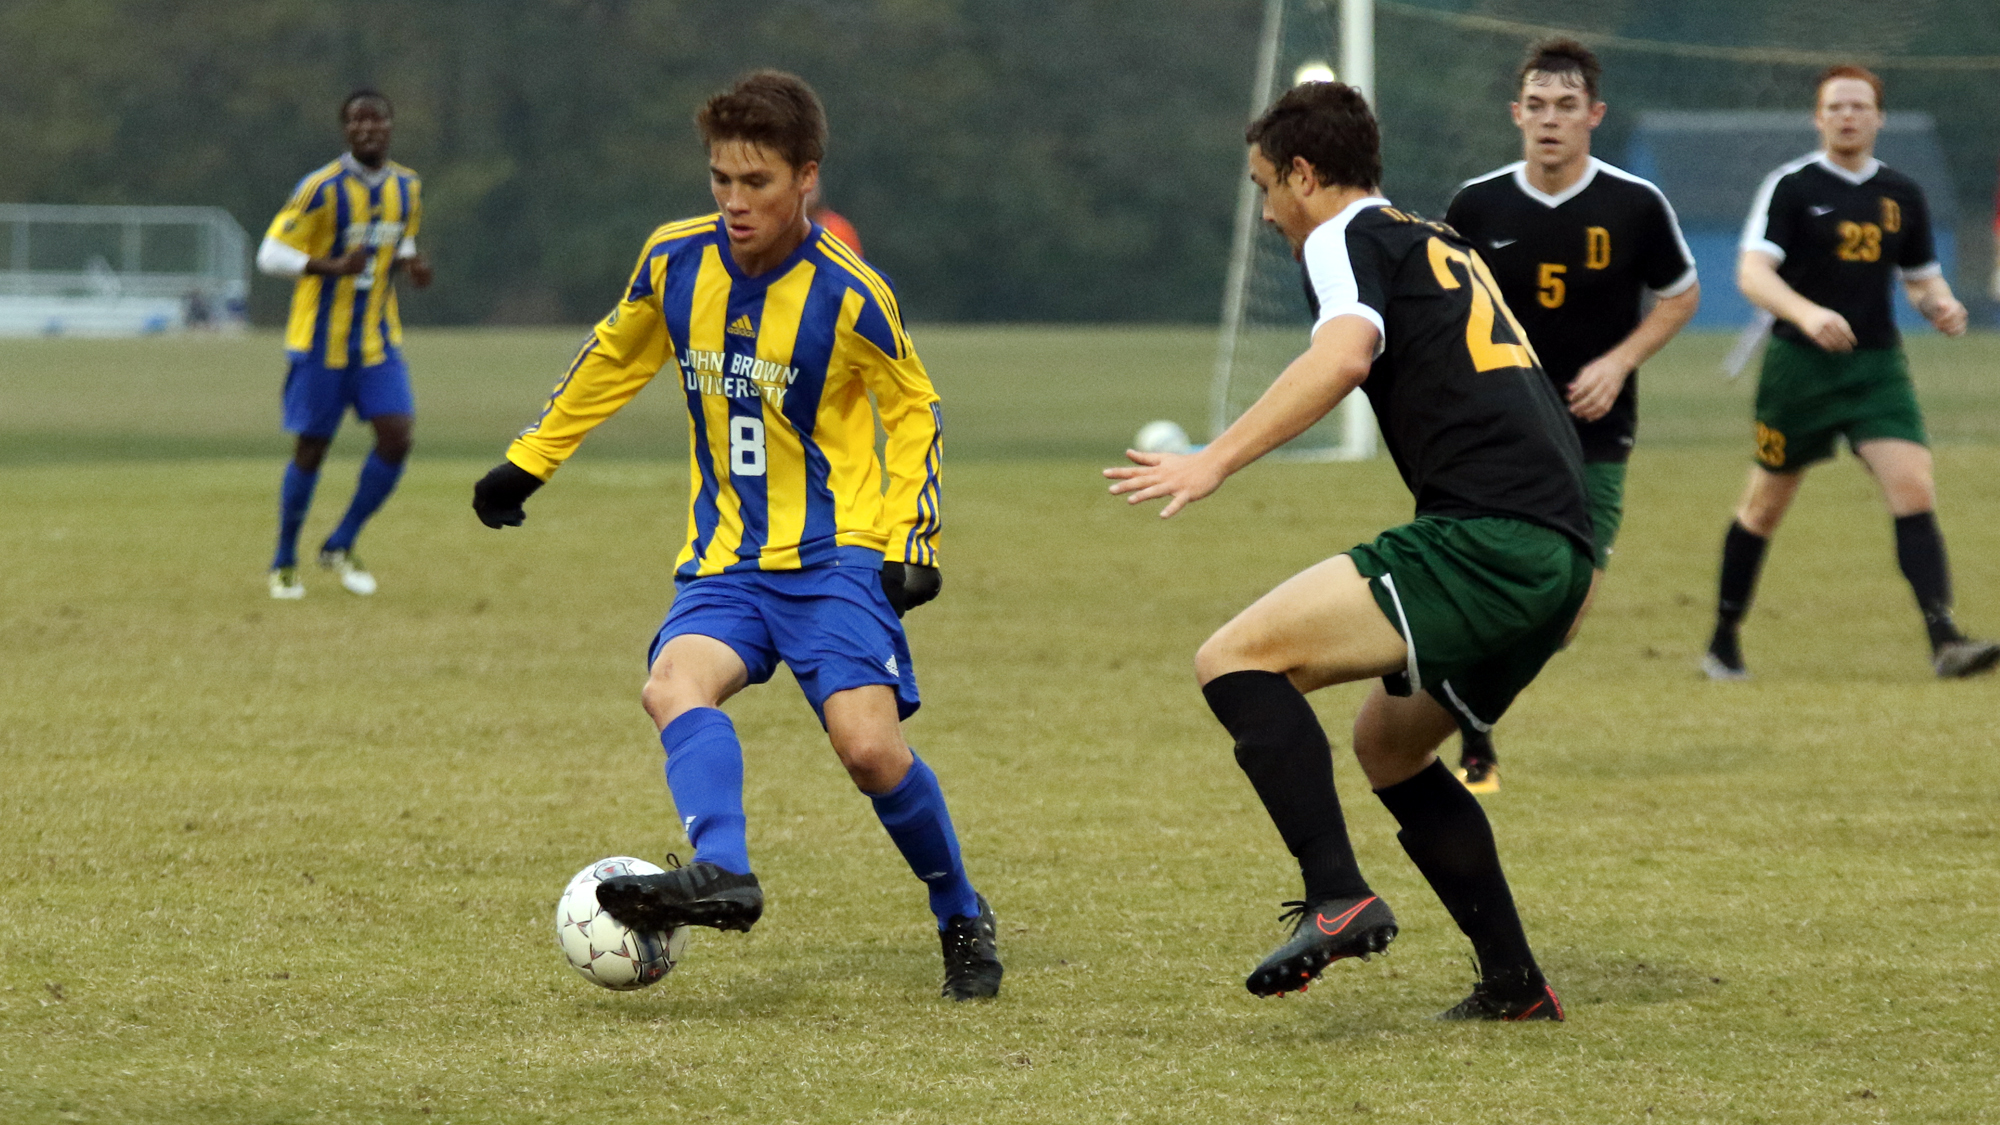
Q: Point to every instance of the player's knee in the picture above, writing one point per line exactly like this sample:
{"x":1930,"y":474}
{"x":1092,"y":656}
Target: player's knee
{"x":393,"y":451}
{"x":309,"y":452}
{"x":665,"y":698}
{"x":1219,"y":655}
{"x":874,"y":761}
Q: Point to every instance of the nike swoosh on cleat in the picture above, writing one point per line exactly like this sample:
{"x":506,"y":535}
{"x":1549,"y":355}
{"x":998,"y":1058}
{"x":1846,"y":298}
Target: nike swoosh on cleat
{"x":1340,"y":922}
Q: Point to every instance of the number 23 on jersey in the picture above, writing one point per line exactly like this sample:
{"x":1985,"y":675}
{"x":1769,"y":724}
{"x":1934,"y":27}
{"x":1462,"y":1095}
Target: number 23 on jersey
{"x":1487,"y":353}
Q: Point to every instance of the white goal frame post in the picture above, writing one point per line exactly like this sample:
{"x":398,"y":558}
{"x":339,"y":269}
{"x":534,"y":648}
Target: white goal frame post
{"x":77,"y":270}
{"x":1357,"y":435}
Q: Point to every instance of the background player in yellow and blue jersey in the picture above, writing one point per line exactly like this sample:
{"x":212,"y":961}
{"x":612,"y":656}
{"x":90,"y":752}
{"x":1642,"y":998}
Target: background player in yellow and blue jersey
{"x":346,"y":231}
{"x":796,"y":550}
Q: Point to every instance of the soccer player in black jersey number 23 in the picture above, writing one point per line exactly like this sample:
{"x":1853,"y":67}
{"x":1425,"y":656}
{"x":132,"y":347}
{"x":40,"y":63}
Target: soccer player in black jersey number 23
{"x":1455,"y":612}
{"x":1826,"y":236}
{"x":1576,"y":246}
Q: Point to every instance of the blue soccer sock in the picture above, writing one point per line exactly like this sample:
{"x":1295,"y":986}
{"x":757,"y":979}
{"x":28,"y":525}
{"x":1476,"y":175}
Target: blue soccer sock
{"x":705,"y":775}
{"x":918,"y":822}
{"x":378,"y":480}
{"x":295,"y":498}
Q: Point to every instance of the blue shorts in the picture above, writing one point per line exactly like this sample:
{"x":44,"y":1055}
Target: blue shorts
{"x":316,"y":395}
{"x":831,"y":625}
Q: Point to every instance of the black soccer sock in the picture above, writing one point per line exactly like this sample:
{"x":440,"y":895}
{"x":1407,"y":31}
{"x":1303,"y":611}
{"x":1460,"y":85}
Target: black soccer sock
{"x":1475,"y":745}
{"x":1920,"y":553}
{"x":1280,"y":745}
{"x":1742,"y":560}
{"x":1446,"y":835}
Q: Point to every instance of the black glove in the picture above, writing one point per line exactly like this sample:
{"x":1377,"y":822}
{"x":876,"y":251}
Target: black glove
{"x":909,"y":585}
{"x":498,"y":496}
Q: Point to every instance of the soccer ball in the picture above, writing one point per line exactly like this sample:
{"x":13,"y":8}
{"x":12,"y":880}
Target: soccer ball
{"x":1162,"y":437}
{"x":601,"y":948}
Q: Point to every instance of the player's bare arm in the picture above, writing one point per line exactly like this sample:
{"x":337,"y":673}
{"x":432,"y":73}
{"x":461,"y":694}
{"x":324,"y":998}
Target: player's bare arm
{"x":1757,"y":276}
{"x":1933,"y":298}
{"x":1597,"y":385}
{"x":1313,"y":384}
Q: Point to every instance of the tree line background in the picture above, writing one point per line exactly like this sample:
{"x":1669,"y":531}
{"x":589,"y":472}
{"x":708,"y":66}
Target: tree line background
{"x":1059,"y":160}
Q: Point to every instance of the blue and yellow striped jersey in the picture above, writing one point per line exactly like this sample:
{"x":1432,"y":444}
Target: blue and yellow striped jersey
{"x":336,"y":320}
{"x":777,"y":370}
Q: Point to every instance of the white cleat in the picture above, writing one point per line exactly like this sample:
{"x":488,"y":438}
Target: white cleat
{"x":1715,"y":669}
{"x":353,"y":576}
{"x":285,"y":584}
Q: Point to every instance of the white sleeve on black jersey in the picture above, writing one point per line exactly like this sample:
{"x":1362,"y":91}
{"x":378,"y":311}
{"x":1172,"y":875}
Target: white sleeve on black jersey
{"x":1670,"y":271}
{"x":1330,"y":265}
{"x":1919,"y":260}
{"x":1770,"y":224}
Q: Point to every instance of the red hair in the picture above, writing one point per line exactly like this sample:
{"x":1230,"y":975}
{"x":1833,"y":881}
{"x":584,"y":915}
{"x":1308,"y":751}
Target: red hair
{"x":1849,"y":71}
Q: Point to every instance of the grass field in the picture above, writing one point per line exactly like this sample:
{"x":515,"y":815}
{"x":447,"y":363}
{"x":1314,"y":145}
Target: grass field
{"x":269,"y":862}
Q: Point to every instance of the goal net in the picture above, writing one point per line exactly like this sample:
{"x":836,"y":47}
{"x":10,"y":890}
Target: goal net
{"x":1265,"y":318}
{"x":120,"y":271}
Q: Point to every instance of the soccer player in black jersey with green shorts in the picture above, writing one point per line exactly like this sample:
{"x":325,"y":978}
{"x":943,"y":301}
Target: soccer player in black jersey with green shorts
{"x":1576,"y":246}
{"x":1454,"y":612}
{"x":1827,"y":236}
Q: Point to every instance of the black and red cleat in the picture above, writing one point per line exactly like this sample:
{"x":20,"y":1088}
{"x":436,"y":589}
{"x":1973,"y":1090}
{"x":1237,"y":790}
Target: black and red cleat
{"x":1485,"y":1003}
{"x":1325,"y":932}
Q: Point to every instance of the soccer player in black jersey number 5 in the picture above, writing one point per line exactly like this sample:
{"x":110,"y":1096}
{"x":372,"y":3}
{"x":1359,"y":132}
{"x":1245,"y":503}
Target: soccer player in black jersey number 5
{"x":1827,"y":235}
{"x":1455,"y":612}
{"x":1576,"y":245}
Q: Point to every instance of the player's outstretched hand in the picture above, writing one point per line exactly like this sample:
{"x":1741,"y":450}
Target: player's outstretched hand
{"x":909,"y":585}
{"x":498,"y":496}
{"x":420,"y":271}
{"x":1596,"y":387}
{"x":1186,"y":477}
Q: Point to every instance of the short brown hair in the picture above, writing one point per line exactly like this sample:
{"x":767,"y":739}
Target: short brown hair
{"x":1561,"y":55}
{"x":1329,"y":124}
{"x":1848,"y":71}
{"x":769,"y":108}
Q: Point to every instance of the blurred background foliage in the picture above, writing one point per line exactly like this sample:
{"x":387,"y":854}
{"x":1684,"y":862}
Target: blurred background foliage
{"x":1055,"y":160}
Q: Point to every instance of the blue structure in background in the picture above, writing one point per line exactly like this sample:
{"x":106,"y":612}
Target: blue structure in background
{"x":1709,"y":163}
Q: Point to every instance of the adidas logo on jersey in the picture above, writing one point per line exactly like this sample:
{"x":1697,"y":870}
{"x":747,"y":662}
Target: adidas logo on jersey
{"x":741,"y":326}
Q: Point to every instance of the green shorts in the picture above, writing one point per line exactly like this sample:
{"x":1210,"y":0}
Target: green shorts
{"x":1807,"y":399}
{"x":1481,"y":603}
{"x":1604,"y":488}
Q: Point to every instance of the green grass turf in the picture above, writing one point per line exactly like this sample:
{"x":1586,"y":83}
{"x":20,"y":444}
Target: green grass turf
{"x":297,"y":862}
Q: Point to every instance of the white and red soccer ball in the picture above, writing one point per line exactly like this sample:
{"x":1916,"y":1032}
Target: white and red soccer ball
{"x":601,"y":948}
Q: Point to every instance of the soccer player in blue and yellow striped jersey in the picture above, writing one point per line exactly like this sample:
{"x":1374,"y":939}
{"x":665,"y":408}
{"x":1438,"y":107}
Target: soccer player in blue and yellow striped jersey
{"x":802,"y":546}
{"x":346,"y":231}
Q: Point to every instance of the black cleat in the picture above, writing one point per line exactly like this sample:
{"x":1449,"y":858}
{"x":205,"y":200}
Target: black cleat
{"x":971,"y":962}
{"x":1724,"y":658}
{"x":700,"y":894}
{"x":1540,"y":1004}
{"x":1964,"y":657}
{"x":1325,"y":932}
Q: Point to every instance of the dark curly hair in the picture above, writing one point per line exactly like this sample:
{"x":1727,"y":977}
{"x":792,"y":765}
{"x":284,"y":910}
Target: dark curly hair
{"x":769,"y":108}
{"x":1329,"y":124}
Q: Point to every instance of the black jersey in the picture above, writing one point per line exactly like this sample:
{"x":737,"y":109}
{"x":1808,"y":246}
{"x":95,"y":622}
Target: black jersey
{"x":1474,"y":426}
{"x":1573,"y":267}
{"x":1840,"y":237}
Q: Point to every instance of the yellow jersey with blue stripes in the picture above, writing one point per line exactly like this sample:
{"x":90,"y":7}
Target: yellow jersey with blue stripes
{"x":777,"y":371}
{"x":340,"y":320}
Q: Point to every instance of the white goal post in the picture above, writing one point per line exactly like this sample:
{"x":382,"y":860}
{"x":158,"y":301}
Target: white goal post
{"x":1264,"y":315}
{"x":120,"y":271}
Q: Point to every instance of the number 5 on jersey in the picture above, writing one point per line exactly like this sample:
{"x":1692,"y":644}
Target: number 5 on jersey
{"x":746,"y":447}
{"x":1488,"y":354}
